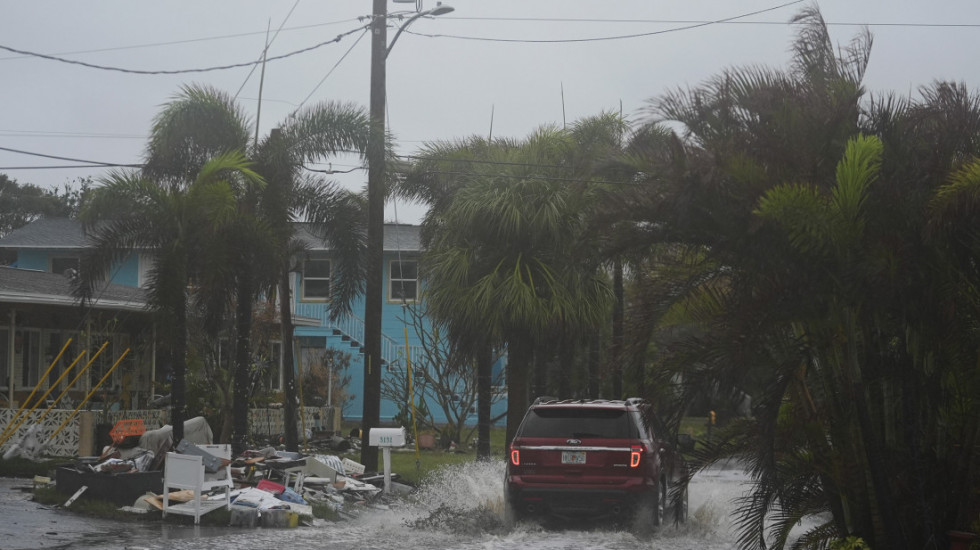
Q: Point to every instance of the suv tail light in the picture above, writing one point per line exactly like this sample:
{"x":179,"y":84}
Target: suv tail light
{"x":636,"y":455}
{"x":515,"y":456}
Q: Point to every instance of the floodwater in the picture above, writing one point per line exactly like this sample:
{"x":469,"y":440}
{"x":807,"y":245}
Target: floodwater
{"x":460,"y":509}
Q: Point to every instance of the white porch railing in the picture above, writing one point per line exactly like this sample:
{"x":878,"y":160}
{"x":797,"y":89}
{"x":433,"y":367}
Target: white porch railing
{"x":352,"y":327}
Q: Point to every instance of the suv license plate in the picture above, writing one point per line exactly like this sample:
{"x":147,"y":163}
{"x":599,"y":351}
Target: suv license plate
{"x":573,"y":457}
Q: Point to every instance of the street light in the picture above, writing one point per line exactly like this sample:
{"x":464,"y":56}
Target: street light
{"x":371,"y":415}
{"x":440,"y":9}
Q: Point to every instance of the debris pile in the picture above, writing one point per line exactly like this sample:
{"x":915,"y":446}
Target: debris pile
{"x":267,"y":486}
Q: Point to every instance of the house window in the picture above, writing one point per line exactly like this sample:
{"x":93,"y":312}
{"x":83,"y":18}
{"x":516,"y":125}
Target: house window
{"x":53,"y":342}
{"x":316,"y":280}
{"x":4,"y":355}
{"x":27,"y":357}
{"x":61,"y":265}
{"x":403,"y":281}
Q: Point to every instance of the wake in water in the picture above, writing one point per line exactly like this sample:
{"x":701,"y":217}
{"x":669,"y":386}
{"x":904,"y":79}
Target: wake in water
{"x":467,"y":500}
{"x":461,"y":508}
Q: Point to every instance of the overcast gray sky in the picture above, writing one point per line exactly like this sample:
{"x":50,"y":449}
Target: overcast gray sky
{"x":511,"y":59}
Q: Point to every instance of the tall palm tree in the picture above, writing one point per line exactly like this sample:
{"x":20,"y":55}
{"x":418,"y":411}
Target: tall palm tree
{"x":505,"y":255}
{"x":828,"y":276}
{"x":202,"y":122}
{"x":171,"y":223}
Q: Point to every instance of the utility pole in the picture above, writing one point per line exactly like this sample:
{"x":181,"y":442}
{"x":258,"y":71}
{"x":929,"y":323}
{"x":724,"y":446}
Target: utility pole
{"x":371,"y":415}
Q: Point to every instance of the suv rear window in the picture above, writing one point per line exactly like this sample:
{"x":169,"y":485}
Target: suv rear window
{"x":578,"y":423}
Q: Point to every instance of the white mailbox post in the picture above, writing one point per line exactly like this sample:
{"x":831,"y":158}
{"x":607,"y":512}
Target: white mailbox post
{"x":386,"y":438}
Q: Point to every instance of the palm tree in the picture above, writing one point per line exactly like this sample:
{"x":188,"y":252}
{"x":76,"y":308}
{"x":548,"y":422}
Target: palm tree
{"x":828,"y":273}
{"x":202,"y":122}
{"x":505,"y":255}
{"x":171,"y":223}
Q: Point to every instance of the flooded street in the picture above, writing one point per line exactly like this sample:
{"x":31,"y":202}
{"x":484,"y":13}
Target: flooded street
{"x":460,"y":509}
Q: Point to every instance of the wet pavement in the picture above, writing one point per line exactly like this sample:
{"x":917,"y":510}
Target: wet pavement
{"x":28,"y":525}
{"x":458,"y":509}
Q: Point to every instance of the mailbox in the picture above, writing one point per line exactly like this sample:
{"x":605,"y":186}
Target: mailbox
{"x":387,"y":437}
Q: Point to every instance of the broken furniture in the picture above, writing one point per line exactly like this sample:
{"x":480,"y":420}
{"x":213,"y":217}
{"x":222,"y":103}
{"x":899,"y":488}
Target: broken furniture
{"x":313,"y":467}
{"x":187,"y":471}
{"x":122,"y":489}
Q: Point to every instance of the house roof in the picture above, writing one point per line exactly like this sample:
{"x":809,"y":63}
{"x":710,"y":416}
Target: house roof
{"x":67,"y":233}
{"x":47,"y":233}
{"x":397,"y":238}
{"x":26,"y":286}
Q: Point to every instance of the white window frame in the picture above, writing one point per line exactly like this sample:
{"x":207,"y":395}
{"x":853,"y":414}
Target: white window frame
{"x":306,"y":278}
{"x":392,"y":280}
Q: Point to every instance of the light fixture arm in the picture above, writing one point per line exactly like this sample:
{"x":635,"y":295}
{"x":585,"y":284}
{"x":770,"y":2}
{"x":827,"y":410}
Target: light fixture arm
{"x":440,"y":9}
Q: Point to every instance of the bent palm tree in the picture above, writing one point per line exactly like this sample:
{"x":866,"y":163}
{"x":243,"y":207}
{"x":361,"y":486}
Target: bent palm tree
{"x":202,"y":122}
{"x":171,"y":223}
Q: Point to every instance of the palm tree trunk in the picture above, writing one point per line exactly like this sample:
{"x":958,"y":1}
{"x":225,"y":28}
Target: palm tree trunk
{"x":540,"y":372}
{"x":593,"y":367}
{"x":566,"y":355}
{"x":288,"y":361}
{"x":617,"y":331}
{"x":518,"y":364}
{"x":178,"y":388}
{"x":243,"y":325}
{"x":484,"y":367}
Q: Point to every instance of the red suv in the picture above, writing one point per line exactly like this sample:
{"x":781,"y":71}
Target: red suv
{"x":595,"y":458}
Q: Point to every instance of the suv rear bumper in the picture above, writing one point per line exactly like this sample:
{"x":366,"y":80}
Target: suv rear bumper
{"x":572,"y":502}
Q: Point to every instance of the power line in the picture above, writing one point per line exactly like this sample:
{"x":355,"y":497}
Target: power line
{"x":181,"y":71}
{"x":265,"y":50}
{"x":700,"y":21}
{"x":91,"y":163}
{"x":606,"y":38}
{"x":57,"y":134}
{"x":330,"y":72}
{"x":508,"y":19}
{"x":188,"y":41}
{"x":72,"y":166}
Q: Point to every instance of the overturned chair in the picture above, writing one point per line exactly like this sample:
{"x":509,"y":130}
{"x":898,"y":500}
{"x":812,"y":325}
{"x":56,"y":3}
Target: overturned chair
{"x":201,"y":469}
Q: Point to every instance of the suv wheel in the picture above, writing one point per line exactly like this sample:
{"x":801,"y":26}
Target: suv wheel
{"x":649,"y":513}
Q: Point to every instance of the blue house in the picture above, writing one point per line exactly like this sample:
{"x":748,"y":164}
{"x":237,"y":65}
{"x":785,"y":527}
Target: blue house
{"x":53,"y":247}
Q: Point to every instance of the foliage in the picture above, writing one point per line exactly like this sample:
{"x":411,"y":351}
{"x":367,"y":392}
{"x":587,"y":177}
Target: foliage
{"x":820,"y":251}
{"x":326,"y":378}
{"x":254,"y":252}
{"x":22,"y":467}
{"x":510,"y":253}
{"x":173,"y":225}
{"x":849,"y":543}
{"x":440,"y":373}
{"x":20,"y":204}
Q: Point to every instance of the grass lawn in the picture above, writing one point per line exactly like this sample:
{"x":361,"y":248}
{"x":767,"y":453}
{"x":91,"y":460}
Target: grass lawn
{"x":414,"y":469}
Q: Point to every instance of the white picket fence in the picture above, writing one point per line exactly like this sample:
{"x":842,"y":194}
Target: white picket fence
{"x":263,"y":424}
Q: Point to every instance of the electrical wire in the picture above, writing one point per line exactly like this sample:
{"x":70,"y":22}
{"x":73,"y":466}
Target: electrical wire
{"x":330,"y":72}
{"x":606,"y":38}
{"x":696,"y":21}
{"x":57,"y":134}
{"x":506,"y":19}
{"x":188,"y":41}
{"x":265,"y":50}
{"x":92,"y":163}
{"x":182,"y":71}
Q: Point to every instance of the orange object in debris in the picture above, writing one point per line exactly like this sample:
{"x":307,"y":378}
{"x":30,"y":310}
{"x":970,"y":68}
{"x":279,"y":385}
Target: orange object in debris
{"x":126,"y":428}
